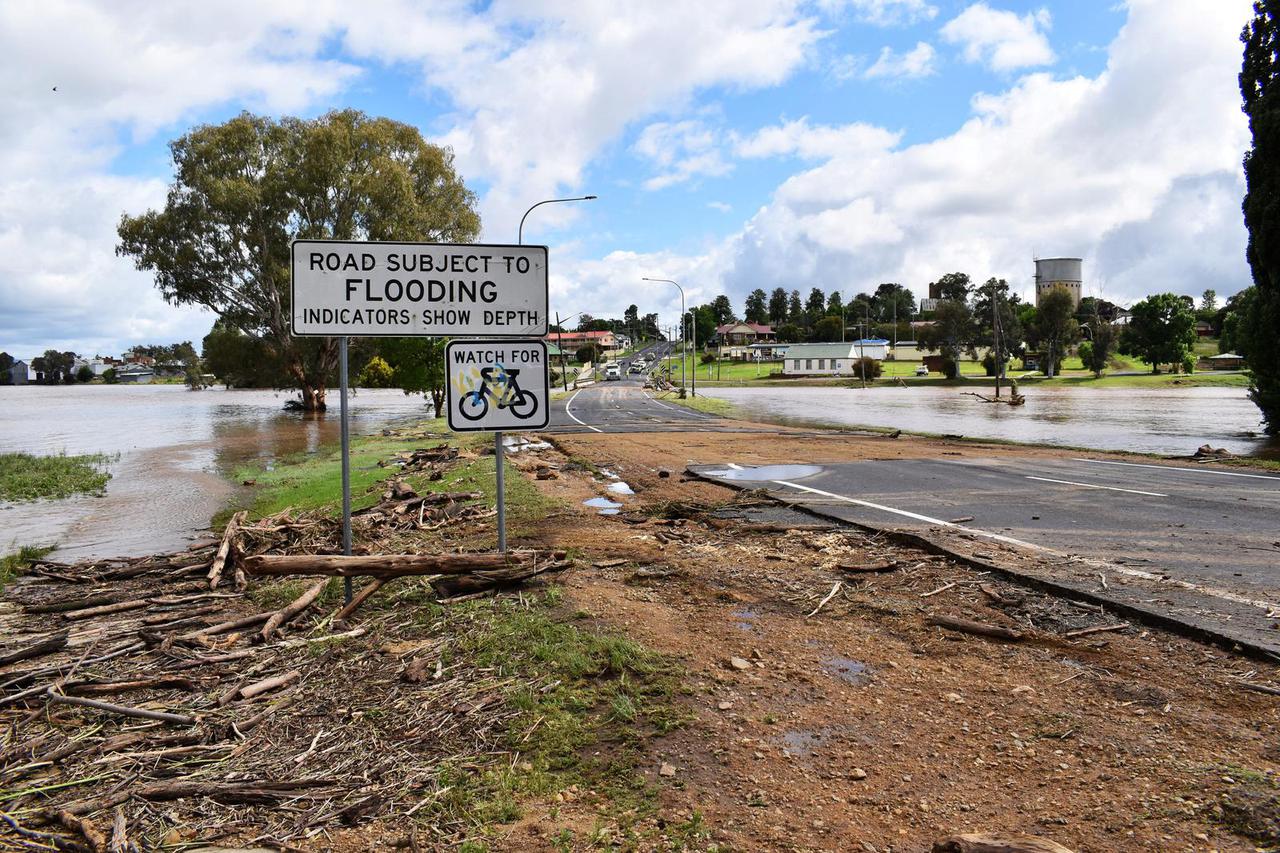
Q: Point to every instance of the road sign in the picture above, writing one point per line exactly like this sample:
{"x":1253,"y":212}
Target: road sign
{"x":366,"y":289}
{"x":497,"y":385}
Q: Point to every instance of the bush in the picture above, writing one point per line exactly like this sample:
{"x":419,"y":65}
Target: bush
{"x":870,"y":365}
{"x":376,"y":374}
{"x":85,"y":373}
{"x":1085,"y":351}
{"x":708,"y":358}
{"x":588,"y":354}
{"x":110,"y":376}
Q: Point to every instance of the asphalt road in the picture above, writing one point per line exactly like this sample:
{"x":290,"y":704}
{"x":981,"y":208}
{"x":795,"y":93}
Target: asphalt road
{"x":1203,"y":526}
{"x":623,"y":405}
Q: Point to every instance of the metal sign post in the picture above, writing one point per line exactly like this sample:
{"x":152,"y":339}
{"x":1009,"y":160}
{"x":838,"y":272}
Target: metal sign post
{"x":346,"y":459}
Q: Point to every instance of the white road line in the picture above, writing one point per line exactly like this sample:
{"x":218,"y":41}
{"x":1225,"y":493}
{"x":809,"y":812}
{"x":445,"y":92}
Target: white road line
{"x":1175,"y":468}
{"x":1092,"y":486}
{"x":575,"y":417}
{"x":1009,"y":540}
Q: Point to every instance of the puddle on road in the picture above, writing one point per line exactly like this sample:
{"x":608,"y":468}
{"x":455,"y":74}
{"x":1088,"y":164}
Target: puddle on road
{"x":620,"y":488}
{"x":515,"y":444}
{"x":766,"y":472}
{"x":604,"y":505}
{"x":801,"y":743}
{"x":849,"y":671}
{"x":746,"y":619}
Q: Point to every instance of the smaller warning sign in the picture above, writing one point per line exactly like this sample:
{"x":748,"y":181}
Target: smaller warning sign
{"x":497,"y":386}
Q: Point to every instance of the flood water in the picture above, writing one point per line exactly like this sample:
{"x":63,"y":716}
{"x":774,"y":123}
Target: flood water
{"x":1173,"y":421}
{"x":176,"y":450}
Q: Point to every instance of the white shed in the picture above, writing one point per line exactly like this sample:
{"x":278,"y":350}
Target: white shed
{"x":826,"y":359}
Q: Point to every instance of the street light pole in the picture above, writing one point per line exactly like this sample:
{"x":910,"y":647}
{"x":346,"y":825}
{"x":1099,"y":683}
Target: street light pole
{"x":498,"y":450}
{"x":693,"y":330}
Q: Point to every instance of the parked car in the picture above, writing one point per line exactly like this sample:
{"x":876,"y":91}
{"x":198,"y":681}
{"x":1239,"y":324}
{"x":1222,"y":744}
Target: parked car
{"x":922,"y":371}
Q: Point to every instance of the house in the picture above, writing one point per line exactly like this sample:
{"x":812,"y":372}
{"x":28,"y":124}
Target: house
{"x":743,"y":334}
{"x":767,"y":352}
{"x":822,"y":359}
{"x":877,"y":348}
{"x":135,"y":374}
{"x":19,"y":373}
{"x":1204,"y":329}
{"x":574,"y":341}
{"x":906,"y":351}
{"x":1225,"y":361}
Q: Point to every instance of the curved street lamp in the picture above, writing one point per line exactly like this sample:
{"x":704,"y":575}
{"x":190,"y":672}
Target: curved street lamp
{"x":520,"y":233}
{"x":693,"y":330}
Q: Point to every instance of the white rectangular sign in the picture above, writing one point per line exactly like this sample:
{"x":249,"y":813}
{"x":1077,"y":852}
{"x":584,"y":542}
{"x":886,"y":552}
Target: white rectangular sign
{"x":497,"y":385}
{"x":368,"y":289}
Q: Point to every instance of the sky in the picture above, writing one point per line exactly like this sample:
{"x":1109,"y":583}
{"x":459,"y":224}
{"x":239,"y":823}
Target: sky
{"x":733,"y":144}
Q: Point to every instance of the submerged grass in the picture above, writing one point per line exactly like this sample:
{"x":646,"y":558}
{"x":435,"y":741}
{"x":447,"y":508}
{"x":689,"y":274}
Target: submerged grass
{"x":12,"y":565}
{"x":27,"y":477}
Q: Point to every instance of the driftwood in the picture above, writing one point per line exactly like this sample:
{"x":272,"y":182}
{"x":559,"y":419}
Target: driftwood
{"x":272,"y":683}
{"x":102,"y":688}
{"x":968,"y":626}
{"x":83,"y":826}
{"x":227,"y":793}
{"x":293,"y":608}
{"x":224,"y":548}
{"x":43,"y":646}
{"x":70,"y":604}
{"x":123,"y":710}
{"x":1258,"y":688}
{"x":983,"y":843}
{"x":1098,"y":629}
{"x":390,"y":566}
{"x":874,"y":567}
{"x":223,"y":627}
{"x":119,"y":834}
{"x":995,"y":596}
{"x":104,"y":610}
{"x":359,"y":599}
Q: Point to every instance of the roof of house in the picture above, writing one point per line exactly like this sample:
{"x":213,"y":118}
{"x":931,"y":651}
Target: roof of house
{"x":837,"y":350}
{"x":872,"y":342}
{"x":758,"y":328}
{"x":1225,"y":356}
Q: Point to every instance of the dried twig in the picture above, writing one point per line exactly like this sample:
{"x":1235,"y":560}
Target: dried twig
{"x":834,"y":589}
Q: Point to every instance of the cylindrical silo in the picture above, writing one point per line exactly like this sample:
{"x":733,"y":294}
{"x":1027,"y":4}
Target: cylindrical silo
{"x":1059,"y":272}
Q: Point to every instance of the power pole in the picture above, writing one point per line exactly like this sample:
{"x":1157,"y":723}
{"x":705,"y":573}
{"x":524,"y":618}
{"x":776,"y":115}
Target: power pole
{"x":996,"y":360}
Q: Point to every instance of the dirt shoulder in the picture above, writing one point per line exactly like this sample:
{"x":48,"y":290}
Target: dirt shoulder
{"x":862,"y":724}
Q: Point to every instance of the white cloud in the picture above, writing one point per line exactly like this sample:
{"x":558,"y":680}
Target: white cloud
{"x":537,"y":89}
{"x":999,"y":39}
{"x":723,"y":207}
{"x":801,"y":139}
{"x":1136,"y":170}
{"x":884,"y":13}
{"x":680,"y":151}
{"x":917,"y":62}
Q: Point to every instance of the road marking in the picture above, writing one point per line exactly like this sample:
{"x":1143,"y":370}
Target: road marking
{"x":575,"y":417}
{"x":1092,"y":486}
{"x":1176,"y":468}
{"x":1009,"y":540}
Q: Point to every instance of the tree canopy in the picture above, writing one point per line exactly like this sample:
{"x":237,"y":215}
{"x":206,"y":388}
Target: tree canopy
{"x":1260,"y":89}
{"x":1161,"y":330}
{"x":245,"y":189}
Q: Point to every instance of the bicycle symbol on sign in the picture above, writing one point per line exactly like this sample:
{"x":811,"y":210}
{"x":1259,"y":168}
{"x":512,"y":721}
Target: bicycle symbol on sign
{"x":505,"y":392}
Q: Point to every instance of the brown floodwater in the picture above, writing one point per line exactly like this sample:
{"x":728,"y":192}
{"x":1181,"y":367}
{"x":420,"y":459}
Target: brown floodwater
{"x":1170,"y":420}
{"x":175,"y":449}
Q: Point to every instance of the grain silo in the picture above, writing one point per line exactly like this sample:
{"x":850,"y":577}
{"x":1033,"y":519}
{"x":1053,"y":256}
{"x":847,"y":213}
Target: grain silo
{"x":1059,"y":272}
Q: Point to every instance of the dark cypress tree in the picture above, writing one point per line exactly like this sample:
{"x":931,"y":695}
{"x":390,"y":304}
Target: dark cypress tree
{"x":1260,"y":87}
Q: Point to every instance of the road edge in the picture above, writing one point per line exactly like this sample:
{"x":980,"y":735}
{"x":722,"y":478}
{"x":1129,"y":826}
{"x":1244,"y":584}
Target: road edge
{"x":1148,"y":616}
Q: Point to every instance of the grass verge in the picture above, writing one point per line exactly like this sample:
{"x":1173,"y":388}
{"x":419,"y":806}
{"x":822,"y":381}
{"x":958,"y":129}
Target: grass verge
{"x":12,"y":565}
{"x":27,"y":477}
{"x":710,"y":405}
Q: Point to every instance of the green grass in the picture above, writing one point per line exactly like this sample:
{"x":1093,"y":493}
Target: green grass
{"x":26,"y":477}
{"x":588,"y":700}
{"x":12,"y":565}
{"x":710,"y":405}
